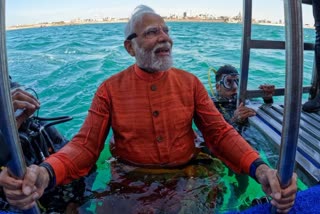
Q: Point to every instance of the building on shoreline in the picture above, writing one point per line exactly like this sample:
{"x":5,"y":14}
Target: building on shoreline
{"x":201,"y":17}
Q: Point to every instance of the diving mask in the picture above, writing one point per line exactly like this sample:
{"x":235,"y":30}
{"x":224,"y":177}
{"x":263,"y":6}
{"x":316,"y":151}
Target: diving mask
{"x":230,"y":81}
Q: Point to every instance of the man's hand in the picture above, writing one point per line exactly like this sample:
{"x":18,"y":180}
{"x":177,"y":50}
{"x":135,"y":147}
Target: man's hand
{"x":24,"y":193}
{"x":24,"y":101}
{"x":242,"y":113}
{"x":284,"y":198}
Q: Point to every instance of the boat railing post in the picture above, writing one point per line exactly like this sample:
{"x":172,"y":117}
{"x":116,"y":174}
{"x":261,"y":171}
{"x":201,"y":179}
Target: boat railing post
{"x":293,"y":91}
{"x":16,"y":164}
{"x":245,"y":53}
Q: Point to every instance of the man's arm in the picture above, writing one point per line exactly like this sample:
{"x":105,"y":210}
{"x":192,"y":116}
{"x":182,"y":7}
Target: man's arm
{"x":282,"y":198}
{"x":229,"y":146}
{"x":24,"y":193}
{"x":77,"y":157}
{"x":221,"y":138}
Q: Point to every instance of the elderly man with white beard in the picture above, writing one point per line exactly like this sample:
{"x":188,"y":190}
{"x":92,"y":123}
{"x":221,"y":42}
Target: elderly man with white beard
{"x":150,"y":107}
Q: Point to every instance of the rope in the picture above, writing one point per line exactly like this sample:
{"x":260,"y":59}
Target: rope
{"x":209,"y":79}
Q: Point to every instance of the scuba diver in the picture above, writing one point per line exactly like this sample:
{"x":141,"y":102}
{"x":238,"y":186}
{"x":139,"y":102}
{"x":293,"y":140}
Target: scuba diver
{"x":227,"y":81}
{"x":225,"y":99}
{"x":39,"y":139}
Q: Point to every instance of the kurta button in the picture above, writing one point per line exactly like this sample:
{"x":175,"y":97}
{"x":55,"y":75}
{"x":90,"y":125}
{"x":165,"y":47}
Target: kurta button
{"x":153,"y":87}
{"x":155,"y":113}
{"x":159,"y":139}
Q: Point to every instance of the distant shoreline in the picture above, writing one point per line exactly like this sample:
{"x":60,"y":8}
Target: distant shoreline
{"x":41,"y":25}
{"x":56,"y":24}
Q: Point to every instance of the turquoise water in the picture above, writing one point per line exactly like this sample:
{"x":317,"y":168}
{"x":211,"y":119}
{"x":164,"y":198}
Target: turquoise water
{"x":74,"y":60}
{"x":66,"y":64}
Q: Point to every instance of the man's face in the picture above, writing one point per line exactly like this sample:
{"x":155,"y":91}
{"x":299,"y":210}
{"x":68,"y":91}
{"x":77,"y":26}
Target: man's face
{"x":227,"y":87}
{"x":152,"y":46}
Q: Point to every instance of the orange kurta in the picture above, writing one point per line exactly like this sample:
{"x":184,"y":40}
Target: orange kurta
{"x":151,"y":117}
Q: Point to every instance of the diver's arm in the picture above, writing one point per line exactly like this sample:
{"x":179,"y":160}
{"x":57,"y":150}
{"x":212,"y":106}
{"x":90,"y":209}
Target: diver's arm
{"x":268,"y":91}
{"x":242,"y":113}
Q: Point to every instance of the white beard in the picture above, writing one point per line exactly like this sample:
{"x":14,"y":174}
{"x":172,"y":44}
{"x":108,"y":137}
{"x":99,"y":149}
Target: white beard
{"x":148,"y":60}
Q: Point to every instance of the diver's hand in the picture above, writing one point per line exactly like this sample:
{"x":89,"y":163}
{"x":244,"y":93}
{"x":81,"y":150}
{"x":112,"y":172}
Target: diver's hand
{"x":242,"y":113}
{"x":24,"y":101}
{"x":282,"y":199}
{"x":268,"y":91}
{"x":24,"y":193}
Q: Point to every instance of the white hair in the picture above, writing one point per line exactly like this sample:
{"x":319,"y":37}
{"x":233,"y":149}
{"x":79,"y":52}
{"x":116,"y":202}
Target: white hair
{"x":136,"y":16}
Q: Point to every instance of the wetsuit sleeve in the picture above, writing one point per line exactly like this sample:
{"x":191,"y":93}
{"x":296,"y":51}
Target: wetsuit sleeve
{"x":221,"y":138}
{"x":267,"y":100}
{"x":76,"y":158}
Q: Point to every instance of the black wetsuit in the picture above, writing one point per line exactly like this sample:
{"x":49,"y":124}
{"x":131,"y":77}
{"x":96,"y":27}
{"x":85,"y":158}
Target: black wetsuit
{"x":227,"y":107}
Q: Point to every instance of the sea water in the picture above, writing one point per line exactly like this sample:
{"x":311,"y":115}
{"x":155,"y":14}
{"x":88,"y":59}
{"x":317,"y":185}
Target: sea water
{"x":66,"y":64}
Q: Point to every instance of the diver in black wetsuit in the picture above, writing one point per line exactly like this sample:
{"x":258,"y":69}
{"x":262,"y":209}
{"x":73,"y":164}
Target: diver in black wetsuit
{"x":227,"y":80}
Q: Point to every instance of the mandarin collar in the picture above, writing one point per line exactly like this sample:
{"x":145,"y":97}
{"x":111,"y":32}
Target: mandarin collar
{"x":148,"y":76}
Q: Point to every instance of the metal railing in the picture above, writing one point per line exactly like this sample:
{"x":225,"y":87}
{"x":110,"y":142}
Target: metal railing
{"x":16,"y":164}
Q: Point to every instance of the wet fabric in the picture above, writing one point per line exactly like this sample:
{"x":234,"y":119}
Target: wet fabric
{"x":160,"y":107}
{"x":197,"y":187}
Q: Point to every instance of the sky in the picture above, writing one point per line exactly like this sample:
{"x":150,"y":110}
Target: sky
{"x":37,"y":11}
